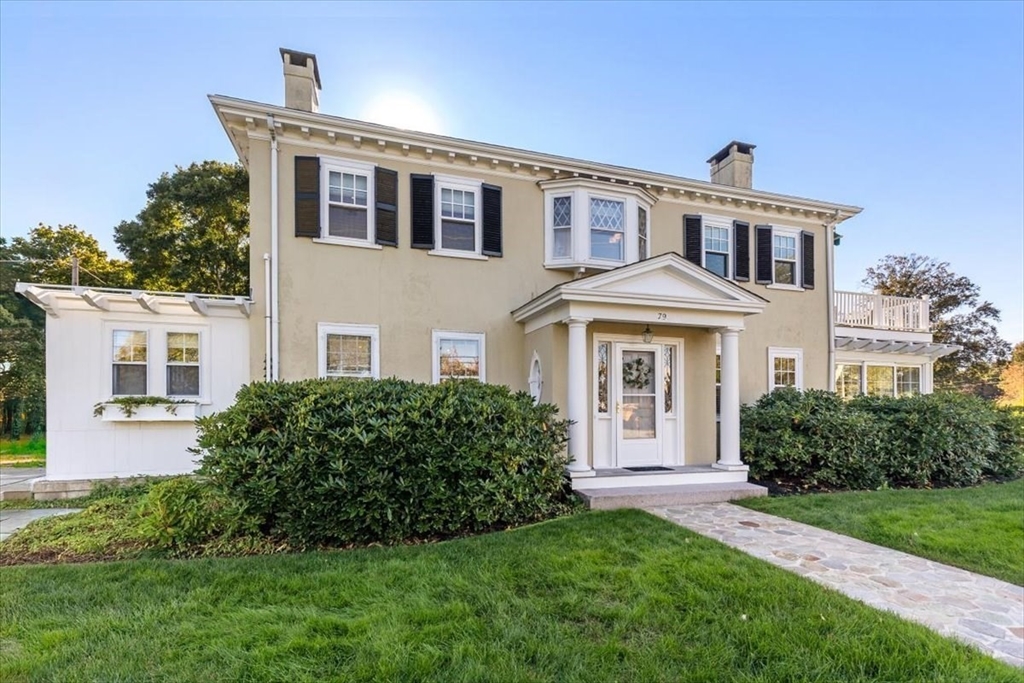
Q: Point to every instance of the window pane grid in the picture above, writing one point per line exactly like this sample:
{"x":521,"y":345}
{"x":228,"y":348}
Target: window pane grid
{"x":130,"y":370}
{"x":562,"y":210}
{"x":716,"y":239}
{"x":459,"y":358}
{"x":607,"y":214}
{"x":349,"y":355}
{"x":848,"y":380}
{"x":908,"y":381}
{"x":349,"y":189}
{"x":458,"y":204}
{"x":785,"y":371}
{"x":785,"y":247}
{"x":880,"y":380}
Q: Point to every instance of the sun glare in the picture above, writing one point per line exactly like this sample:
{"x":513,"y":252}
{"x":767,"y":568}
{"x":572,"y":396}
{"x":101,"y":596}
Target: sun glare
{"x":402,"y":110}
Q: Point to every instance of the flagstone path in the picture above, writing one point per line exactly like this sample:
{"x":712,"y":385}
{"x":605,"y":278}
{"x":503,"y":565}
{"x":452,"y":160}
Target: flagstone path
{"x":985,"y":612}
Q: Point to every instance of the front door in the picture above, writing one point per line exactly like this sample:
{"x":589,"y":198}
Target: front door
{"x":638,"y":404}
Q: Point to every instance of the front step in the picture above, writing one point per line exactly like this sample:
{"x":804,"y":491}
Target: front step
{"x":664,"y":496}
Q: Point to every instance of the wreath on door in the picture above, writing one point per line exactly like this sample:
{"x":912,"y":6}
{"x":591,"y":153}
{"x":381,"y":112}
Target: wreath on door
{"x":636,"y":373}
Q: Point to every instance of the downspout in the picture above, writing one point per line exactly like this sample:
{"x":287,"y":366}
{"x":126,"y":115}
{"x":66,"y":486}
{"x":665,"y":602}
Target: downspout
{"x":275,"y":320}
{"x":830,"y":245}
{"x":267,"y":317}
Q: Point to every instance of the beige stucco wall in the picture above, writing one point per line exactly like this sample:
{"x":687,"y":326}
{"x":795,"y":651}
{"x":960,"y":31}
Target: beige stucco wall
{"x":408,"y":292}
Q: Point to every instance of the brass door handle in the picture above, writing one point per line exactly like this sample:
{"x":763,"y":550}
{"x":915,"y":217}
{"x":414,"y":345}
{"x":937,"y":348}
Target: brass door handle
{"x":618,"y":408}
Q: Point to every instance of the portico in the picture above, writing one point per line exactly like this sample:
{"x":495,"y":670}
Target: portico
{"x":639,"y":371}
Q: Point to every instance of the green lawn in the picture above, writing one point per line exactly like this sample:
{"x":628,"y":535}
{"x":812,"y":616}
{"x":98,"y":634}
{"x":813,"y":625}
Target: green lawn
{"x":980,"y":528}
{"x":612,"y":596}
{"x":26,"y":451}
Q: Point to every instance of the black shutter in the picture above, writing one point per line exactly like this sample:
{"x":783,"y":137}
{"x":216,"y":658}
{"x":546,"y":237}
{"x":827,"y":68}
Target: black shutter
{"x":385,"y":190}
{"x":422,"y":211}
{"x":741,"y":247}
{"x":765,"y":267}
{"x":807,"y":253}
{"x":491,"y":215}
{"x":692,"y":228}
{"x":307,"y":197}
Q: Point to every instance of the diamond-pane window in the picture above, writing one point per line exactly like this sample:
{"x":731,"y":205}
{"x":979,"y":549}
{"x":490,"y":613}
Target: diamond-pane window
{"x":606,"y":214}
{"x":563,"y":212}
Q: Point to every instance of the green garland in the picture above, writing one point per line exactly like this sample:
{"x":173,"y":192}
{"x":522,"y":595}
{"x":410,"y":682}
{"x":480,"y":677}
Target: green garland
{"x":130,"y":404}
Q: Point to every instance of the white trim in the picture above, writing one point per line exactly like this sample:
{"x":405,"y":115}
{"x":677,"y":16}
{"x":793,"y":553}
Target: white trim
{"x":109,"y":337}
{"x":202,"y":355}
{"x":435,"y":357}
{"x":156,"y":358}
{"x":451,"y":253}
{"x":459,"y":184}
{"x":775,"y":352}
{"x":338,"y":165}
{"x":371,"y":331}
{"x":345,"y":242}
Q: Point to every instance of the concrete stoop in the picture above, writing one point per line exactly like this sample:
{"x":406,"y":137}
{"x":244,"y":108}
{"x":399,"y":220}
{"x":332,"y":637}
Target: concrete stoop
{"x":663,"y":496}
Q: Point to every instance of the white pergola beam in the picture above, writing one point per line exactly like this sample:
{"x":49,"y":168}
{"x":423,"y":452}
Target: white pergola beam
{"x":43,"y":300}
{"x":198,"y":304}
{"x":95,"y":299}
{"x":244,"y":305}
{"x":147,"y":301}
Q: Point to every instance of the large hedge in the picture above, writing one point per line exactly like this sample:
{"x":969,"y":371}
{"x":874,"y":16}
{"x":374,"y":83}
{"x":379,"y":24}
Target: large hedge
{"x":358,"y":461}
{"x":815,"y":439}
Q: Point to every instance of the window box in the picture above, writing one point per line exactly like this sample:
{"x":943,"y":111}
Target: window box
{"x":164,"y":412}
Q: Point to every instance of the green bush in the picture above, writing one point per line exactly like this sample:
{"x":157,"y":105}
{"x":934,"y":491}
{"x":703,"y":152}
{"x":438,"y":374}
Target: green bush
{"x":359,"y":461}
{"x":815,"y":439}
{"x":184,"y":512}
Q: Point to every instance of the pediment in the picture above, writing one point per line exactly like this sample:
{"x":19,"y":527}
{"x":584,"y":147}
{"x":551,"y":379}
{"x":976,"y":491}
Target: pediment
{"x":668,"y":276}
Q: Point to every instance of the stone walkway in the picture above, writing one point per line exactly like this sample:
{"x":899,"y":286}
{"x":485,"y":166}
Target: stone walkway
{"x":12,"y":520}
{"x":979,"y":610}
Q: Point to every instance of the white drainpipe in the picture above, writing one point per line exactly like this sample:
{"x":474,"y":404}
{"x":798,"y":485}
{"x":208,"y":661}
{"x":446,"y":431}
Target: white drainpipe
{"x":267,"y":320}
{"x":275,"y":320}
{"x":830,"y":232}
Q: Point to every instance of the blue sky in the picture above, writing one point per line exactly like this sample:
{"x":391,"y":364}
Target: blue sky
{"x":913,"y":111}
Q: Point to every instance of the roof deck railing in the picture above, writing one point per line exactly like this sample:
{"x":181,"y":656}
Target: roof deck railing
{"x":881,"y":312}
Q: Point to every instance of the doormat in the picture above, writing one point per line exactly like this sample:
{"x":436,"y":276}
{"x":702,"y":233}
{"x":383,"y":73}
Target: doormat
{"x":655,"y":468}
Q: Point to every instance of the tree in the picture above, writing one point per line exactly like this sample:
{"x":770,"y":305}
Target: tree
{"x":1011,"y":380}
{"x":193,"y":233}
{"x":959,"y":316}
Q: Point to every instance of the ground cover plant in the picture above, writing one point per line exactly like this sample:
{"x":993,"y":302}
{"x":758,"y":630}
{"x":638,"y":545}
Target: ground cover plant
{"x":814,"y":440}
{"x":619,"y":596}
{"x":980,"y":528}
{"x":25,"y":451}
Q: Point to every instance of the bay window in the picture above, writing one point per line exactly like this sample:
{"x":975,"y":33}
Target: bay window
{"x":591,"y":225}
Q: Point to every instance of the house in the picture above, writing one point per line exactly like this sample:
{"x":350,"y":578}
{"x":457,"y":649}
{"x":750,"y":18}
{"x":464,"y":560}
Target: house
{"x":647,"y":306}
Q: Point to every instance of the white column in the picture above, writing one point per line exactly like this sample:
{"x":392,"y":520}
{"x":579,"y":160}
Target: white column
{"x":729,"y":458}
{"x":579,"y":451}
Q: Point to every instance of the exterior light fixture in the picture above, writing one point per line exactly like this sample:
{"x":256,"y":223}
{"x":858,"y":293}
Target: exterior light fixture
{"x":647,"y":335}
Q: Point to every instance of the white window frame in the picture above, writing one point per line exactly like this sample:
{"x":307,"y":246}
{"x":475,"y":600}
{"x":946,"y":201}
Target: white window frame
{"x":550,"y":222}
{"x":435,"y":356}
{"x":200,"y":364}
{"x":797,"y":234}
{"x":646,"y":253}
{"x":722,"y":223}
{"x":446,"y":182}
{"x":775,"y":352}
{"x":588,"y":227}
{"x":351,"y":330}
{"x":535,"y":380}
{"x":328,"y":164}
{"x":112,"y":362}
{"x":581,"y":192}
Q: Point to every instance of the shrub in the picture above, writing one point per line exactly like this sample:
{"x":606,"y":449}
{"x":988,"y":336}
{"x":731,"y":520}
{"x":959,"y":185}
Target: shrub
{"x":184,"y":512}
{"x":810,"y":437}
{"x":358,"y":461}
{"x":815,"y":439}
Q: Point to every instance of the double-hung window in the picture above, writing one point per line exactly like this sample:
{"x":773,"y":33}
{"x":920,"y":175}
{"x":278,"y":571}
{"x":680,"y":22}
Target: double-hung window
{"x":716,"y":248}
{"x":348,"y":350}
{"x":130,"y":363}
{"x":785,"y":368}
{"x":347,"y":196}
{"x":457,"y":219}
{"x":784,"y":252}
{"x":848,"y":379}
{"x":607,"y":229}
{"x":642,"y":248}
{"x":908,"y":380}
{"x":458,"y":355}
{"x":561,"y":226}
{"x":183,"y":374}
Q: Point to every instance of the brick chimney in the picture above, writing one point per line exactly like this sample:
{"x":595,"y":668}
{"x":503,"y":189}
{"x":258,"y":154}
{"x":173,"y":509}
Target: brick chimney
{"x":301,"y":80}
{"x":733,"y":165}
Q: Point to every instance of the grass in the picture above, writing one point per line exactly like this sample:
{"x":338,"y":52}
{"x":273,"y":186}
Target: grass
{"x":979,"y":528}
{"x":609,"y":596}
{"x":26,"y":451}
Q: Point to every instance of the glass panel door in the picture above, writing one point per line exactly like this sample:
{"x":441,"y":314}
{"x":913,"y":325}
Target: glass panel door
{"x":639,"y":395}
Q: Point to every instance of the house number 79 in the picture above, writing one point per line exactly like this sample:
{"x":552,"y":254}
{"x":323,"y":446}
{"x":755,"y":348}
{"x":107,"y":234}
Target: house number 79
{"x":663,"y":316}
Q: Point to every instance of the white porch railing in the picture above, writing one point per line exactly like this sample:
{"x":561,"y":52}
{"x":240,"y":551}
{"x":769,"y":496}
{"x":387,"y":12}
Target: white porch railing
{"x":880,"y":312}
